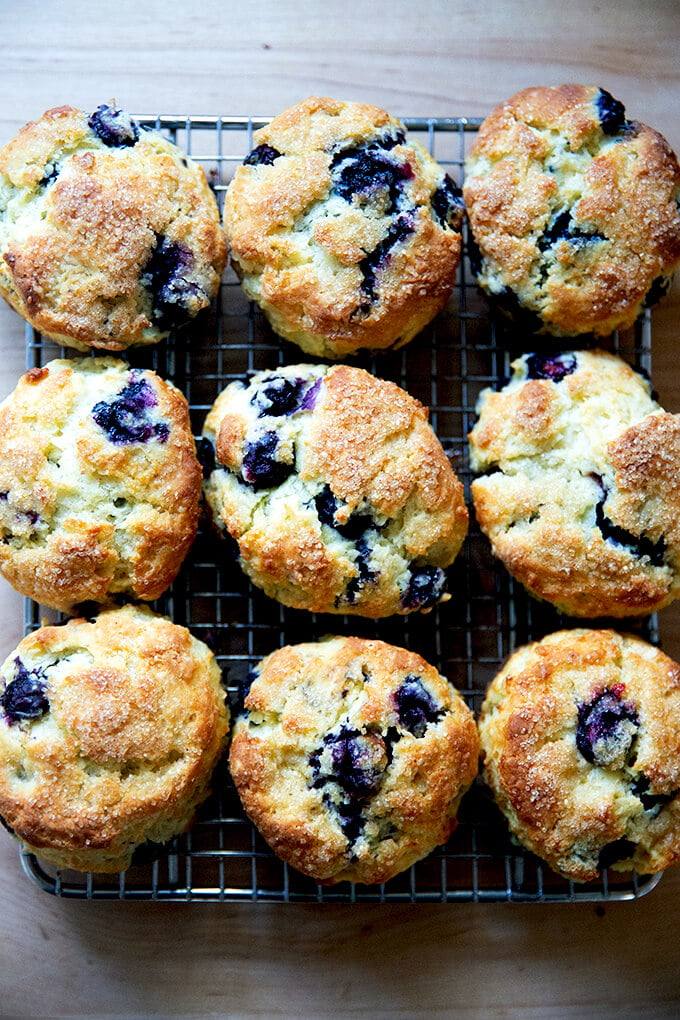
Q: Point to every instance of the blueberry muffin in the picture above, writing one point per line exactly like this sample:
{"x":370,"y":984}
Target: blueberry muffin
{"x":100,"y":486}
{"x":580,"y":736}
{"x":109,"y":234}
{"x":573,"y":209}
{"x":343,"y":231}
{"x":109,"y":732}
{"x":351,"y":757}
{"x":336,"y":489}
{"x":579,"y":491}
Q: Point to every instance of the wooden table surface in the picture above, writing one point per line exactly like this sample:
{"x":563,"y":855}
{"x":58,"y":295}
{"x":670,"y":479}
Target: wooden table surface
{"x":415,"y":58}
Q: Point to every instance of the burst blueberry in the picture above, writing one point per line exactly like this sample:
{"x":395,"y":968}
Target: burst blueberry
{"x":611,"y":111}
{"x":350,"y":769}
{"x":166,"y":276}
{"x":563,"y":228}
{"x":424,"y":587}
{"x":365,"y":574}
{"x":447,"y":204}
{"x":205,"y":451}
{"x":554,"y":367}
{"x":377,"y":259}
{"x":113,"y":127}
{"x":607,"y":729}
{"x":282,"y":395}
{"x":653,"y":803}
{"x":327,"y":505}
{"x":638,"y":545}
{"x":416,"y":707}
{"x":260,"y":466}
{"x":612,"y":853}
{"x":369,"y":174}
{"x":25,"y":696}
{"x":125,"y":418}
{"x":261,"y":155}
{"x":659,"y":288}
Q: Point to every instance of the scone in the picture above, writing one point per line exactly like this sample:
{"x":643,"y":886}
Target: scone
{"x":100,"y":486}
{"x":336,"y":489}
{"x":109,"y":732}
{"x":343,"y":231}
{"x":579,"y":491}
{"x":580,"y":736}
{"x":351,"y":757}
{"x":109,"y":234}
{"x":573,"y":209}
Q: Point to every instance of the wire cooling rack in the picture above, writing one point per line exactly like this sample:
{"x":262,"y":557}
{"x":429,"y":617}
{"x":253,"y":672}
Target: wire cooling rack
{"x":468,"y":638}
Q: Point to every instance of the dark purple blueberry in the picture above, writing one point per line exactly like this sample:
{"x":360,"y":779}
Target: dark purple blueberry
{"x":376,"y":260}
{"x":280,"y":395}
{"x":525,"y":318}
{"x":205,"y":451}
{"x":349,"y":768}
{"x":261,"y":154}
{"x":415,"y":706}
{"x":612,"y":853}
{"x":114,"y":128}
{"x":242,"y":691}
{"x":563,"y":228}
{"x":370,"y":174}
{"x":474,"y":255}
{"x":551,"y":366}
{"x":365,"y":574}
{"x":612,"y":113}
{"x":4,"y":495}
{"x":51,"y":176}
{"x":607,"y":729}
{"x":425,"y":588}
{"x":447,"y":204}
{"x":125,"y":418}
{"x":260,"y":467}
{"x":25,"y":696}
{"x":327,"y":504}
{"x":658,"y":289}
{"x":30,"y":516}
{"x":166,"y":277}
{"x":637,"y":545}
{"x":651,"y":802}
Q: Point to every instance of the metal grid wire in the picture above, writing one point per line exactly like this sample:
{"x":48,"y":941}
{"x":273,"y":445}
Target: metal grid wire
{"x":467,"y":638}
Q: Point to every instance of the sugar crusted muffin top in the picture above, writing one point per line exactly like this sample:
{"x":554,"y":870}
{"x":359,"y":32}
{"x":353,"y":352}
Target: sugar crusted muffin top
{"x":578,"y":489}
{"x":345,"y":233}
{"x":351,"y":757}
{"x":336,"y":489}
{"x":574,"y":210}
{"x":580,"y":737}
{"x":109,"y":732}
{"x":109,"y":234}
{"x":99,"y":483}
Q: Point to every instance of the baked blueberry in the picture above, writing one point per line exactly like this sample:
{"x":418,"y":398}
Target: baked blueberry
{"x":448,"y":205}
{"x":377,"y":260}
{"x":125,"y":419}
{"x":615,"y":852}
{"x":260,"y":467}
{"x":25,"y":696}
{"x":261,"y":155}
{"x":167,"y":276}
{"x":425,"y":587}
{"x":282,"y":395}
{"x":607,"y":728}
{"x":415,"y":706}
{"x":113,"y":127}
{"x":611,"y":111}
{"x":550,"y":366}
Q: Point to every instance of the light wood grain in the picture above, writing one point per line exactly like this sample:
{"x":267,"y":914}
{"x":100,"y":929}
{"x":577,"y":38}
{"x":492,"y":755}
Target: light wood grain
{"x":427,"y":58}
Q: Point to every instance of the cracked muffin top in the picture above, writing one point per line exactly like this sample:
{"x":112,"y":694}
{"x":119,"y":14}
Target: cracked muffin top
{"x":351,"y":757}
{"x":343,"y":231}
{"x":336,"y":489}
{"x":109,"y":234}
{"x":578,"y":488}
{"x":574,"y":210}
{"x":580,"y":736}
{"x":99,"y":483}
{"x":109,"y":732}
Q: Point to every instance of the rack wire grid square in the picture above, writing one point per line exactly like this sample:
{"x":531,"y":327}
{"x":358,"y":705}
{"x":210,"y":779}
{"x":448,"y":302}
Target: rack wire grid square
{"x":222,"y":857}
